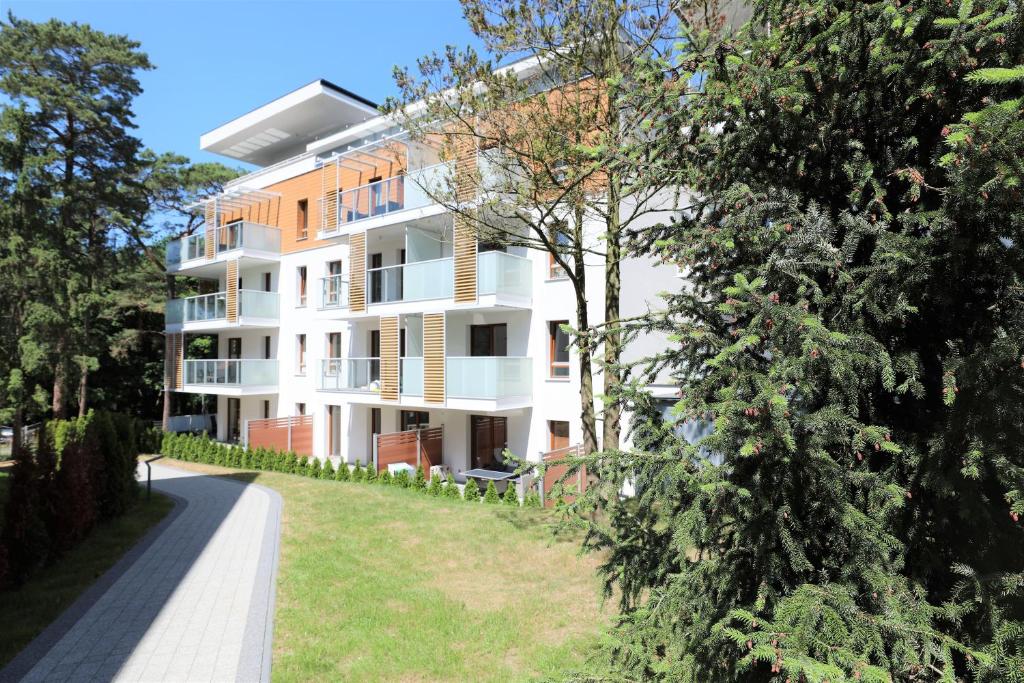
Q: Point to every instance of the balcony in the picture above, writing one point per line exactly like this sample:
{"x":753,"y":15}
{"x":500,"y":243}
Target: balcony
{"x":488,"y":378}
{"x":418,"y":281}
{"x":241,"y":238}
{"x":333,"y":292}
{"x":231,"y":376}
{"x":411,"y":382}
{"x":358,"y":375}
{"x":381,"y":198}
{"x":210,"y":311}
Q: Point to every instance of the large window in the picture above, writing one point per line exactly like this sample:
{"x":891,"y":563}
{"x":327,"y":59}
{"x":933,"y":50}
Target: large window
{"x":488,"y":439}
{"x":300,"y":354}
{"x":488,"y":340}
{"x":414,"y":419}
{"x":302,"y":220}
{"x":558,"y":350}
{"x":558,"y":434}
{"x":300,"y":286}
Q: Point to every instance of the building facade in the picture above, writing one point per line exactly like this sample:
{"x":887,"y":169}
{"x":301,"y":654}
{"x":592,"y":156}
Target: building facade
{"x":352,"y":312}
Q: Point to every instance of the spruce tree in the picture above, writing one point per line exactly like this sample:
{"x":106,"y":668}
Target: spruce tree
{"x":471,"y":492}
{"x":851,"y":338}
{"x":491,"y":494}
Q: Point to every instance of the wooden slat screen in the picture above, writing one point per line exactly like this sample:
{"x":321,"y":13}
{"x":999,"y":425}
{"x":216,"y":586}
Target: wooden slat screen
{"x":210,"y":227}
{"x":555,"y":472}
{"x":465,"y":260}
{"x":389,"y":358}
{"x":416,"y":447}
{"x":283,"y":434}
{"x":173,"y":360}
{"x":232,"y":290}
{"x":466,"y":171}
{"x":433,"y":358}
{"x":357,"y":272}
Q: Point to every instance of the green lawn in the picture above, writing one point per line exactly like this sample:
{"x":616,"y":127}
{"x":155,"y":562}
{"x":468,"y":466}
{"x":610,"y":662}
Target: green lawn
{"x":25,"y":612}
{"x":377,"y":583}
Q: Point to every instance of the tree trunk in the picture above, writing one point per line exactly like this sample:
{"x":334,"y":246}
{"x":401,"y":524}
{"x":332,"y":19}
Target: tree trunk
{"x":168,"y":394}
{"x":83,"y":391}
{"x":587,"y":416}
{"x":613,"y":332}
{"x":60,"y":377}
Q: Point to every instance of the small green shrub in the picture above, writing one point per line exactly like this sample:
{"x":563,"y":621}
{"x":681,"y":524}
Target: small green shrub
{"x":402,"y":480}
{"x":343,"y":473}
{"x":451,"y":489}
{"x":531,"y":499}
{"x":370,"y":474}
{"x":511,"y":497}
{"x":358,"y":474}
{"x":302,"y":466}
{"x":385,"y":478}
{"x":471,"y":492}
{"x":313,"y":468}
{"x":327,"y":471}
{"x":491,"y":496}
{"x":434,"y":488}
{"x":419,"y":481}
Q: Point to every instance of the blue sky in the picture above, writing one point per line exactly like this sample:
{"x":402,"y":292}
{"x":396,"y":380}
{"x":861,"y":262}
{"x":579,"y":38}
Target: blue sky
{"x":217,"y":60}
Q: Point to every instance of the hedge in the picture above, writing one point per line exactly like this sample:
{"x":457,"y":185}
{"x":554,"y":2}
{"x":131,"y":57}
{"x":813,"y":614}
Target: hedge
{"x":81,"y":473}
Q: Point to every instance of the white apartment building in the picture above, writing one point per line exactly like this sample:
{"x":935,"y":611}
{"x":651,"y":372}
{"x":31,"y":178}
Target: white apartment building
{"x":351,"y":311}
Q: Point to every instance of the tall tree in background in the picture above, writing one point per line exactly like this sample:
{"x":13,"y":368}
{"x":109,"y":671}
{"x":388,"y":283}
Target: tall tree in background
{"x":560,"y":143}
{"x":855,"y":330}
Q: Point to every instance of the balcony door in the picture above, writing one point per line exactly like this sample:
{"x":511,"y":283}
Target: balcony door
{"x":234,"y":419}
{"x":488,"y":340}
{"x":333,"y":430}
{"x":234,"y":347}
{"x":334,"y":345}
{"x":374,"y":354}
{"x":488,"y":438}
{"x":376,"y":278}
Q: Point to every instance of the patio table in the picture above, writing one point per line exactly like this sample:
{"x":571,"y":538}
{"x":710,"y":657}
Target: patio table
{"x":489,"y":475}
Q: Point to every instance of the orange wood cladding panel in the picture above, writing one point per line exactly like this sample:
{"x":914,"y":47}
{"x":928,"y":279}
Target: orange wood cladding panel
{"x":282,"y":212}
{"x":433,"y":357}
{"x":389,"y":358}
{"x":465,"y":260}
{"x":466,"y":172}
{"x":283,"y":434}
{"x":552,"y":473}
{"x":174,"y":349}
{"x":421,"y":448}
{"x":357,"y":272}
{"x":210,"y":228}
{"x":232,"y":297}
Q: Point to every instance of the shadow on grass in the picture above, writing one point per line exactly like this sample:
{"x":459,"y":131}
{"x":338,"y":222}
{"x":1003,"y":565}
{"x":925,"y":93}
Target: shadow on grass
{"x":140,"y":584}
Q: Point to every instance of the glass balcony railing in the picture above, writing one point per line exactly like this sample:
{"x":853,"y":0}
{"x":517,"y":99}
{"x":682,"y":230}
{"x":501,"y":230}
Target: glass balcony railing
{"x":488,"y":377}
{"x":232,"y":372}
{"x":411,"y":191}
{"x":412,"y":376}
{"x":238,"y":235}
{"x":350,"y":374}
{"x":333,"y":292}
{"x":501,"y":273}
{"x":410,"y":281}
{"x":212,"y":307}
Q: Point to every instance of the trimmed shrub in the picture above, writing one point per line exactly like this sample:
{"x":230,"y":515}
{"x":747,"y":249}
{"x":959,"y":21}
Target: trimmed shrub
{"x":434,"y":488}
{"x":511,"y":496}
{"x":531,"y":499}
{"x":451,"y":490}
{"x":327,"y":471}
{"x":358,"y":474}
{"x":402,"y":480}
{"x":385,"y":478}
{"x":419,"y":481}
{"x":313,"y":468}
{"x":302,"y":465}
{"x":370,"y":473}
{"x":343,"y":473}
{"x":471,"y":492}
{"x":491,"y":494}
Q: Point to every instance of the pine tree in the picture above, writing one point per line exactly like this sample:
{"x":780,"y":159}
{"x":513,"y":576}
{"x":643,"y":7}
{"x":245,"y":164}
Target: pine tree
{"x":435,"y":488}
{"x":419,"y":482}
{"x":313,"y":468}
{"x":853,"y":329}
{"x":327,"y":471}
{"x":511,"y":496}
{"x":491,"y":494}
{"x":471,"y":492}
{"x":451,"y":489}
{"x":343,"y":473}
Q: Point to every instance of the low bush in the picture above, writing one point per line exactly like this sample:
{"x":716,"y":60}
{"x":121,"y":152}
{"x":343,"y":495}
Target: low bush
{"x":531,"y":499}
{"x":434,"y":488}
{"x":471,"y":492}
{"x":327,"y":471}
{"x":385,"y":478}
{"x":370,"y":474}
{"x":343,"y":473}
{"x":491,"y":494}
{"x":401,"y":479}
{"x":419,"y":482}
{"x":511,"y":496}
{"x":358,"y":473}
{"x":451,"y":490}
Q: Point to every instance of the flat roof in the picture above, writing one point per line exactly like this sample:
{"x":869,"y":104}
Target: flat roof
{"x":285,"y":126}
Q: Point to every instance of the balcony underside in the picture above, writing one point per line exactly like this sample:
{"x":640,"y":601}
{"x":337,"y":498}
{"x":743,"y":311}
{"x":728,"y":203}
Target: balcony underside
{"x":227,"y":390}
{"x":487,"y":302}
{"x":214,"y":267}
{"x":249,"y":323}
{"x":470,"y":405}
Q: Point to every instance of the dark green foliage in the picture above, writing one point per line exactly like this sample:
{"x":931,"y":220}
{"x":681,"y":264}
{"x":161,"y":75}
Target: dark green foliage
{"x":855,"y":332}
{"x":435,"y":488}
{"x":531,"y":499}
{"x":510,"y":497}
{"x":491,"y":494}
{"x":385,"y":478}
{"x":471,"y":491}
{"x":401,"y":479}
{"x":419,"y":481}
{"x":358,"y":473}
{"x":370,"y":474}
{"x":327,"y":470}
{"x":451,"y":490}
{"x":343,"y":473}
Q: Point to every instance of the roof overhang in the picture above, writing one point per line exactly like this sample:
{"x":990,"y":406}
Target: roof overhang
{"x":286,"y":126}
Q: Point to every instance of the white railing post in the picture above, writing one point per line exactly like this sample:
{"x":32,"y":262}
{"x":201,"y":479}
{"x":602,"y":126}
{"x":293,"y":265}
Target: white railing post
{"x":375,"y":437}
{"x":419,"y":448}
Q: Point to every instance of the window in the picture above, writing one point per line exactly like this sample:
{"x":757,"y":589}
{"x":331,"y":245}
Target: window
{"x":376,"y":278}
{"x":266,"y":347}
{"x":266,"y":410}
{"x":488,"y":340}
{"x":558,"y":435}
{"x":300,"y":354}
{"x":234,"y":347}
{"x":560,"y":238}
{"x":334,"y":267}
{"x":300,"y":277}
{"x":488,"y":439}
{"x":300,"y":408}
{"x":266,"y":282}
{"x":334,"y":344}
{"x":414,"y":419}
{"x":558,"y":349}
{"x":302,"y":220}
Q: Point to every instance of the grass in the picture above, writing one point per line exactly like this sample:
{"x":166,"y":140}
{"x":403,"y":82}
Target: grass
{"x":377,"y":583}
{"x":26,"y":611}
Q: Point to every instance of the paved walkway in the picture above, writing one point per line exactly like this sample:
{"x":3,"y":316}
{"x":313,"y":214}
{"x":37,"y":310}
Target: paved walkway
{"x":193,"y":602}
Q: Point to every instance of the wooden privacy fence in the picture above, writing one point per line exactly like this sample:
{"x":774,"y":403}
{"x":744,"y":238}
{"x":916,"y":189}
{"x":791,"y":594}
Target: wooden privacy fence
{"x":282,"y":434}
{"x":415,"y":447}
{"x":552,"y":473}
